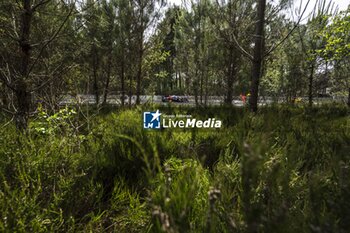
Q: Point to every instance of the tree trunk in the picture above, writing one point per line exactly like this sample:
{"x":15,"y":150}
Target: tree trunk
{"x":257,"y":56}
{"x":180,"y":83}
{"x":22,"y":93}
{"x":139,"y":74}
{"x":206,"y":88}
{"x":201,"y":84}
{"x":230,"y":77}
{"x":95,"y":70}
{"x":195,"y":85}
{"x":106,"y":91}
{"x":109,"y":64}
{"x":311,"y":77}
{"x":122,"y":80}
{"x":229,"y":91}
{"x":139,"y":71}
{"x":23,"y":105}
{"x":130,"y":90}
{"x":349,"y":97}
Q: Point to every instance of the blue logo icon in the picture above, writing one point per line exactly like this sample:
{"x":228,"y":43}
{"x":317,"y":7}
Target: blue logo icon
{"x":151,"y":120}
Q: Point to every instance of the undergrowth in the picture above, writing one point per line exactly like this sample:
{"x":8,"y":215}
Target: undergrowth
{"x":285,"y":169}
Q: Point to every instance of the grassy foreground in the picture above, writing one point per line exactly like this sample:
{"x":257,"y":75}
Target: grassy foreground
{"x":286,"y":169}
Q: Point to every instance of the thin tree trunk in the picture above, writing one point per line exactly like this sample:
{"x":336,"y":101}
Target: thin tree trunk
{"x":106,"y":90}
{"x":109,"y":64}
{"x":281,"y":90}
{"x":130,"y":89}
{"x":311,"y":77}
{"x":139,"y":71}
{"x":230,"y":78}
{"x":257,"y":56}
{"x":139,"y":74}
{"x":195,"y":84}
{"x":201,"y":85}
{"x":22,"y":93}
{"x":349,"y":97}
{"x":122,"y":77}
{"x":95,"y":70}
{"x":176,"y":80}
{"x":206,"y":89}
{"x":229,"y":93}
{"x":180,"y":83}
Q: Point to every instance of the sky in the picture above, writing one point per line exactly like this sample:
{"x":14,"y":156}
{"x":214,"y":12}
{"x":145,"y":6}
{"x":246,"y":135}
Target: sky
{"x":340,"y":5}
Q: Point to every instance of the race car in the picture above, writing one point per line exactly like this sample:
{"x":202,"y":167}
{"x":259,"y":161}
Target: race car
{"x":174,"y":98}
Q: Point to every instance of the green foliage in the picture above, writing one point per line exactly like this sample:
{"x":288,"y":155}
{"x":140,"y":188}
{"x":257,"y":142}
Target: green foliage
{"x":181,"y":195}
{"x":337,"y":38}
{"x":59,"y":123}
{"x":282,"y":170}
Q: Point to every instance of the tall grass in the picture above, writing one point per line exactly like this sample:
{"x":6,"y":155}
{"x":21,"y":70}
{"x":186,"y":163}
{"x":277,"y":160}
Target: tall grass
{"x":285,"y":169}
